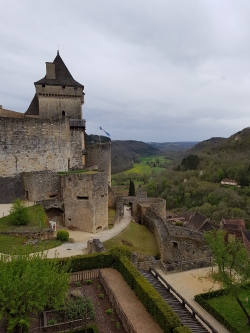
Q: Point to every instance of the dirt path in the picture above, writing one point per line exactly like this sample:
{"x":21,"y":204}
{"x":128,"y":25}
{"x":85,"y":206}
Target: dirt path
{"x":137,"y":314}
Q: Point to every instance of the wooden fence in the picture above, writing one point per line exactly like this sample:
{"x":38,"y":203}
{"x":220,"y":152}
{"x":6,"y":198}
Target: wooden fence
{"x":84,"y":275}
{"x":115,"y":303}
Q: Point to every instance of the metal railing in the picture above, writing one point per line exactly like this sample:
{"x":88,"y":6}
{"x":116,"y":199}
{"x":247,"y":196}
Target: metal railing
{"x":202,"y":320}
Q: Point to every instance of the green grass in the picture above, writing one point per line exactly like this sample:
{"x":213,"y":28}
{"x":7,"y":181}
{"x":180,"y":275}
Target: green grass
{"x":37,"y":221}
{"x":14,"y":245}
{"x":230,"y":309}
{"x":76,"y":172}
{"x":137,"y":237}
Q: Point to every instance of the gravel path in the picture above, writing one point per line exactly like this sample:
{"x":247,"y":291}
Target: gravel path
{"x":137,"y":314}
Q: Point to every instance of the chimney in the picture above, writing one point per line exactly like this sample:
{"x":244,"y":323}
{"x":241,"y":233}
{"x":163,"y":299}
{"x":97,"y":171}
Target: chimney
{"x":50,"y":70}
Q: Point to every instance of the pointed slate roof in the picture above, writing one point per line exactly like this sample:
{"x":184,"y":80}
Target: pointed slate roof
{"x":63,"y":76}
{"x":33,"y":109}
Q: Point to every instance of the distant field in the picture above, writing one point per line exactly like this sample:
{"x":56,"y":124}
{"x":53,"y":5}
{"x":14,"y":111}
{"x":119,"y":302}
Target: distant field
{"x":148,"y":165}
{"x":137,"y":237}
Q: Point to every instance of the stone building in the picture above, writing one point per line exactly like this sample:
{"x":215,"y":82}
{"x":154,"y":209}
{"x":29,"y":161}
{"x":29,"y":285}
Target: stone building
{"x":44,"y":158}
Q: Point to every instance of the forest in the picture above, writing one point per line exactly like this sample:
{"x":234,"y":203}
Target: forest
{"x":193,"y":181}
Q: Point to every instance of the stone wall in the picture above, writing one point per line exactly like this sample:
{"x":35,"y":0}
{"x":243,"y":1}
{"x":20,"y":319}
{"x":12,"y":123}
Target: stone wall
{"x":176,"y":243}
{"x":42,"y":235}
{"x":85,"y":197}
{"x":11,"y":189}
{"x":43,"y":185}
{"x":77,"y":159}
{"x":54,"y":100}
{"x":32,"y":144}
{"x":100,"y":155}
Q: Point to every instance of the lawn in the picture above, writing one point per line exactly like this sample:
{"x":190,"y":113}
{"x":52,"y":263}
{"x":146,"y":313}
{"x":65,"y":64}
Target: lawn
{"x":230,"y":309}
{"x":137,"y":237}
{"x":14,"y":245}
{"x":37,"y":221}
{"x":111,"y":216}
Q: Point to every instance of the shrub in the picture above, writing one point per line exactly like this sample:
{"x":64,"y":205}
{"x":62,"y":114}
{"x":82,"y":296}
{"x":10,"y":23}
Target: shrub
{"x":78,"y":284}
{"x":179,"y":224}
{"x":109,"y":311}
{"x":101,"y":296}
{"x":52,"y":321}
{"x":89,"y":282}
{"x":118,"y":325}
{"x":63,"y":235}
{"x":19,"y":214}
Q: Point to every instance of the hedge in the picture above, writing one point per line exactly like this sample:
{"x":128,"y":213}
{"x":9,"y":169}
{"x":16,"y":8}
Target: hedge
{"x":183,"y":329}
{"x":149,"y":297}
{"x":201,"y":299}
{"x":119,"y":258}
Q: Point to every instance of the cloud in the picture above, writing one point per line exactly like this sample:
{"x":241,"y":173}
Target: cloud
{"x":153,"y":71}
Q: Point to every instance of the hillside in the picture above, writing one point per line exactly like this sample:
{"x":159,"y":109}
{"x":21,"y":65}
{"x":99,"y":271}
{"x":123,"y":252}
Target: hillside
{"x":125,"y":153}
{"x":173,"y":150}
{"x":210,"y":143}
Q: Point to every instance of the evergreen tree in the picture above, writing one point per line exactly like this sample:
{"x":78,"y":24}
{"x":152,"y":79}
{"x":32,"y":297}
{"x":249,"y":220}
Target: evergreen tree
{"x":131,"y":191}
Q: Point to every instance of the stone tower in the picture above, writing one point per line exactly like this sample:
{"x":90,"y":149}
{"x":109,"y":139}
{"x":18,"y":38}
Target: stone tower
{"x":57,"y":94}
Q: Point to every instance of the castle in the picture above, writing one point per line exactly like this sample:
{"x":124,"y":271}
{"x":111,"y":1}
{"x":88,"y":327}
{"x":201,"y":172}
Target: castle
{"x":44,"y":157}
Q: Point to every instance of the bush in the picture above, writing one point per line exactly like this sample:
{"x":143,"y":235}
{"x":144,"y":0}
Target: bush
{"x":101,"y":296}
{"x":63,"y":235}
{"x":118,"y":325}
{"x":19,"y":214}
{"x":78,"y":284}
{"x":109,"y":311}
{"x":89,"y":282}
{"x":150,"y":298}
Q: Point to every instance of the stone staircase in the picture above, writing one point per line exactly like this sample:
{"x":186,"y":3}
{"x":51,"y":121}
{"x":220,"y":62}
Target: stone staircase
{"x":186,"y":317}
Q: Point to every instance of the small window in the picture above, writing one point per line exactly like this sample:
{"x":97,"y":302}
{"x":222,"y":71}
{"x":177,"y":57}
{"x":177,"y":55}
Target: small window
{"x":43,"y":85}
{"x":75,"y":88}
{"x":63,"y":87}
{"x":69,"y":219}
{"x":63,"y":113}
{"x":82,"y":197}
{"x":175,"y":245}
{"x":102,"y":195}
{"x":53,"y":195}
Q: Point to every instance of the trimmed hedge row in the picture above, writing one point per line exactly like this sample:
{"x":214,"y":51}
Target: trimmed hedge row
{"x":183,"y":329}
{"x":119,"y":258}
{"x":202,"y":300}
{"x":150,"y":298}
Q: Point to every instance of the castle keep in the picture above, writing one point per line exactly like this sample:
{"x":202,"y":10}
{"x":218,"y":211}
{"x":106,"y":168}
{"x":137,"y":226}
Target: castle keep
{"x":44,"y":158}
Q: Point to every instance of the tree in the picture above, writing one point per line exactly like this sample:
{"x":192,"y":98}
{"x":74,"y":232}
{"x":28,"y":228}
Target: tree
{"x":28,"y":284}
{"x":131,"y":191}
{"x":19,"y":214}
{"x":233,"y":265}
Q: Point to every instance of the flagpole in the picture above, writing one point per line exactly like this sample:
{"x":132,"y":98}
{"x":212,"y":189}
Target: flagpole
{"x":100,"y":135}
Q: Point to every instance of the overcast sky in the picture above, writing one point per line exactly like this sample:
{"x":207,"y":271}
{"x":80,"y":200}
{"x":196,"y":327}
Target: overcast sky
{"x":154,"y":70}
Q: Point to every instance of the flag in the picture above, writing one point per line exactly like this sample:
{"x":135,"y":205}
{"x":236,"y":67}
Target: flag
{"x":104,"y":131}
